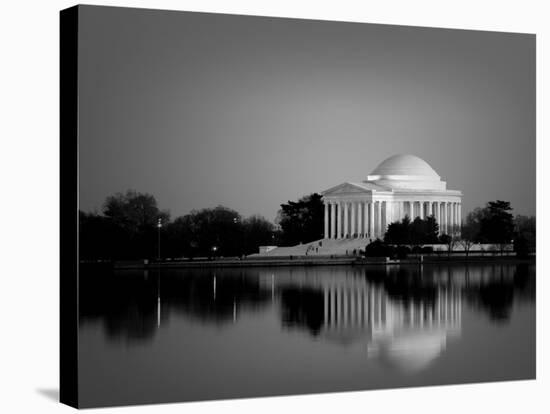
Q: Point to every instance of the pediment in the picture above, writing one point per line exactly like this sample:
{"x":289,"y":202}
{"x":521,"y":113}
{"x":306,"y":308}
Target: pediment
{"x":346,"y":188}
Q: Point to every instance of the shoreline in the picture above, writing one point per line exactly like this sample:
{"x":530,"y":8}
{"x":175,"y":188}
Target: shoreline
{"x":300,"y":261}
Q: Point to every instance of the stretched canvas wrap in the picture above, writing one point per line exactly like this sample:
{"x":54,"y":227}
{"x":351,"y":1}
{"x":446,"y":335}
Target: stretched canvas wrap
{"x":256,"y":206}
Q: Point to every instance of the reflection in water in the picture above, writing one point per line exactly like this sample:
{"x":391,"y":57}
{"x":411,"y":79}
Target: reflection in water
{"x":406,"y":329}
{"x":403,"y":317}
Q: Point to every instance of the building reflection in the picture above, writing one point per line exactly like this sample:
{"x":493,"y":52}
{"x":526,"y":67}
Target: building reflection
{"x":403,"y":330}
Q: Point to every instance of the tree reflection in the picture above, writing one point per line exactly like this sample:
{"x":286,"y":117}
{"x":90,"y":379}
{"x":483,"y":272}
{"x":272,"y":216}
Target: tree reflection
{"x":391,"y":309}
{"x":495,"y":296}
{"x":302,"y":307}
{"x":132,"y":304}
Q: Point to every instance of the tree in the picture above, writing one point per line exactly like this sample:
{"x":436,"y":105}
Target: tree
{"x":424,"y":231}
{"x":525,"y":237}
{"x":213,"y":231}
{"x":136,"y":216}
{"x":497,"y":223}
{"x":133,"y":211}
{"x":470,"y":230}
{"x":100,"y":239}
{"x":450,"y":241}
{"x":419,"y":231}
{"x":177,"y":238}
{"x":302,"y":221}
{"x":378,"y":248}
{"x":257,"y":232}
{"x":127,"y":229}
{"x":399,"y":232}
{"x":199,"y":232}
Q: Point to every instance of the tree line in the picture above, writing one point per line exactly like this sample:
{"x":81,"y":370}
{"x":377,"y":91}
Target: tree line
{"x":492,"y":224}
{"x":131,"y":225}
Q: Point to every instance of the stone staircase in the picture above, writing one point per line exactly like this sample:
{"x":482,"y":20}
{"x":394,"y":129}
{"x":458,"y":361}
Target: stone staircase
{"x":323,"y":247}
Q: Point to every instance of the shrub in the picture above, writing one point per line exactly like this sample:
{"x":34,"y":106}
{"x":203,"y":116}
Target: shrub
{"x":379,"y":249}
{"x":402,"y":252}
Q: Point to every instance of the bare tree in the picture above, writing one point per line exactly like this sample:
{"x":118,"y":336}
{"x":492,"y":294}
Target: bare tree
{"x":470,"y":231}
{"x":450,"y":240}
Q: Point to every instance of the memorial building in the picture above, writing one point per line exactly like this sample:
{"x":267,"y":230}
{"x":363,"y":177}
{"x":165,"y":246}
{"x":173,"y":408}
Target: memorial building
{"x":402,"y":185}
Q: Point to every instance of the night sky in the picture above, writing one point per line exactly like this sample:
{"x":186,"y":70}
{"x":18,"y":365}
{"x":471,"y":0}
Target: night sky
{"x":250,"y":112}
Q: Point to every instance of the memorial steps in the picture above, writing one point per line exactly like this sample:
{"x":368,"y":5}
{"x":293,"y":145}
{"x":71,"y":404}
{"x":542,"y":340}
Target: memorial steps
{"x":323,"y":247}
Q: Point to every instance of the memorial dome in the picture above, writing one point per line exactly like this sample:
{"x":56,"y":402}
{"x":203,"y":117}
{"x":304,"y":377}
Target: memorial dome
{"x":406,"y":172}
{"x":404,"y":165}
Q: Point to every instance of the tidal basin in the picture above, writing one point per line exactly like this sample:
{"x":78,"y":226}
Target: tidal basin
{"x":194,"y":334}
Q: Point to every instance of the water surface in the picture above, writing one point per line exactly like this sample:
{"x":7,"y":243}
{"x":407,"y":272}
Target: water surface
{"x":195,"y":334}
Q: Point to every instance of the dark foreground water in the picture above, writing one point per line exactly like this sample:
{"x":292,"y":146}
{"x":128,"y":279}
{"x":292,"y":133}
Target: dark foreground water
{"x":189,"y":334}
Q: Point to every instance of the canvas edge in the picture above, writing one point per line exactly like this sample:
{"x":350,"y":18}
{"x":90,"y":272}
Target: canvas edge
{"x":68,"y":127}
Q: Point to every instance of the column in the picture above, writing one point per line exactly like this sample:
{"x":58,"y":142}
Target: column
{"x":332,"y":220}
{"x":378,"y":219}
{"x":371,"y":219}
{"x":325,"y":234}
{"x":449,"y":218}
{"x":445,"y":227}
{"x":423,"y":208}
{"x":451,"y":213}
{"x":365,"y":219}
{"x":440,"y":216}
{"x":360,"y":219}
{"x":353,"y":214}
{"x":339,"y":221}
{"x":436,"y":212}
{"x":384,"y":213}
{"x":430,"y":211}
{"x":346,"y":220}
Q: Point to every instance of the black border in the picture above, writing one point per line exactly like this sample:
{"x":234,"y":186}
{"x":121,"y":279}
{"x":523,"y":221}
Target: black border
{"x":68,"y":286}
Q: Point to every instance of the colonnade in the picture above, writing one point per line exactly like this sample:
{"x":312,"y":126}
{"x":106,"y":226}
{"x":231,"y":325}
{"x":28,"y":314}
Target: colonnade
{"x":349,"y":306}
{"x":369,"y":219}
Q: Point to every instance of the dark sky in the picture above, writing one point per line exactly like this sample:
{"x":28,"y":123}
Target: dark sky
{"x":249,"y":112}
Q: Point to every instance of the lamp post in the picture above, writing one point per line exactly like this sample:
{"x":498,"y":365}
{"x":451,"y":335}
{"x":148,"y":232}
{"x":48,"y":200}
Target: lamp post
{"x":159,"y":226}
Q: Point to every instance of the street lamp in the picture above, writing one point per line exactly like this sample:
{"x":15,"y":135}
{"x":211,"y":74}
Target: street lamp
{"x":214,"y":249}
{"x":159,"y":226}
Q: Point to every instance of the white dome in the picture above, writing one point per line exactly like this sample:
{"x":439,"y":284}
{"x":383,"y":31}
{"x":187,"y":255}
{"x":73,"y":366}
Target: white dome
{"x":405,"y":164}
{"x":413,"y":351}
{"x":406,"y":172}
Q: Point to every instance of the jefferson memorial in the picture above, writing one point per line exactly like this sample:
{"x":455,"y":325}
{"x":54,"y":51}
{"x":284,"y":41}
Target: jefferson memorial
{"x":402,"y":185}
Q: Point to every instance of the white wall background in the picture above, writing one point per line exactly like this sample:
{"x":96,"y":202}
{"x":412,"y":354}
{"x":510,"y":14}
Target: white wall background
{"x":29,"y":204}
